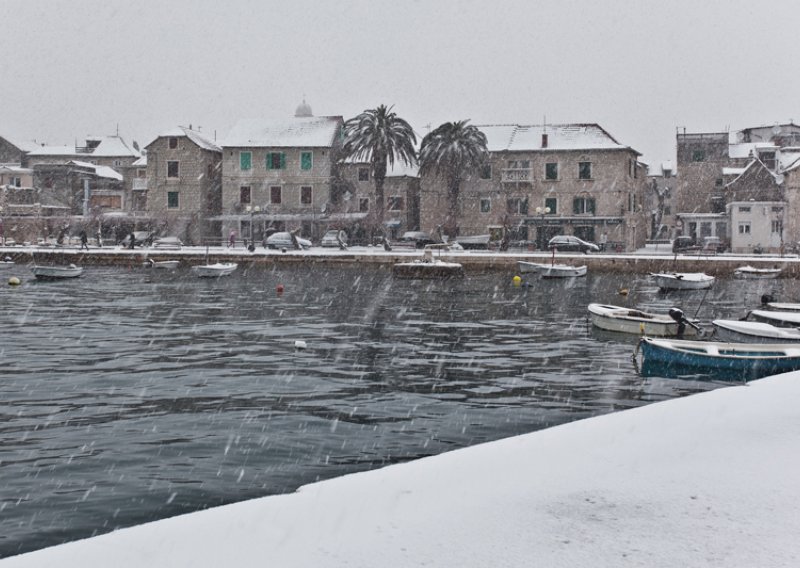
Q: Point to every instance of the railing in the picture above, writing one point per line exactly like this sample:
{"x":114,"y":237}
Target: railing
{"x":140,"y":184}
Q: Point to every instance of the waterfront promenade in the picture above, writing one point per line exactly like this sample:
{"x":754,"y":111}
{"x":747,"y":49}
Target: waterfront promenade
{"x":642,"y":262}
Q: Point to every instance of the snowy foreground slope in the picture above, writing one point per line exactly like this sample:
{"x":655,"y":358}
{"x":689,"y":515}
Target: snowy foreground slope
{"x":708,"y":480}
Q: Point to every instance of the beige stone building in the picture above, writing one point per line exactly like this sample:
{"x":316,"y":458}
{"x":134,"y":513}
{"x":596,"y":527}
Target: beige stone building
{"x":542,"y":181}
{"x":184,"y":185}
{"x":278,"y":175}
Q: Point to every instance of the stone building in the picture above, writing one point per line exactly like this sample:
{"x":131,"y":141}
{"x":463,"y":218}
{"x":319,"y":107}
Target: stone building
{"x":354,"y":201}
{"x":183,"y":185}
{"x":659,"y":200}
{"x":546,"y":180}
{"x":279,"y":174}
{"x":15,"y":152}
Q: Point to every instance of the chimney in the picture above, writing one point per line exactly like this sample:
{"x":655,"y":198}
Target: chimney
{"x":544,"y":140}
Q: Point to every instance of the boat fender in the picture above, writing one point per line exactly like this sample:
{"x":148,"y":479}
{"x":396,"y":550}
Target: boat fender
{"x":14,"y":281}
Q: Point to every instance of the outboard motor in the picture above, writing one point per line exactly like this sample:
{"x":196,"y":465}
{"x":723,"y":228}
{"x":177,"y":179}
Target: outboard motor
{"x":767,"y":298}
{"x":678,"y":315}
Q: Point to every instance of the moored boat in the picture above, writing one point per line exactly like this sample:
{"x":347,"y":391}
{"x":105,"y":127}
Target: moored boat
{"x":214,"y":270}
{"x":626,"y":320}
{"x":676,"y":357}
{"x":753,"y":332}
{"x":431,"y":266}
{"x":163,"y":264}
{"x":752,"y":273}
{"x":683,"y":280}
{"x":56,"y":272}
{"x":551,"y":270}
{"x":774,"y":317}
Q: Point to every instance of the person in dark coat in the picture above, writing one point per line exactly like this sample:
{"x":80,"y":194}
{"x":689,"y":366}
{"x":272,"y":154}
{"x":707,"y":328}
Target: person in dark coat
{"x":84,"y":240}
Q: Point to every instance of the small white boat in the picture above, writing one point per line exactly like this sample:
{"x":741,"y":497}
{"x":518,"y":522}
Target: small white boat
{"x":214,"y":270}
{"x":626,"y":320}
{"x":480,"y":242}
{"x":163,"y":264}
{"x":683,"y":280}
{"x":754,"y":332}
{"x":56,"y":272}
{"x":780,"y":319}
{"x":429,"y":267}
{"x":752,"y":273}
{"x":782,"y":306}
{"x":7,"y":261}
{"x":551,"y":270}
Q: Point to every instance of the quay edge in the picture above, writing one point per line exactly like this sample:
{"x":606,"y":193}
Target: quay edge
{"x":473,"y":261}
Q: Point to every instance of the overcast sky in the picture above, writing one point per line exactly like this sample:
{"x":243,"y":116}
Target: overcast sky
{"x":640,"y":69}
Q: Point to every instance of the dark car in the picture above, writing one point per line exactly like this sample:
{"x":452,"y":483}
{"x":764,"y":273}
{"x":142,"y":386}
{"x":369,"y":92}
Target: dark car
{"x":418,"y":238}
{"x":140,"y":239}
{"x":684,"y":243}
{"x":570,"y":243}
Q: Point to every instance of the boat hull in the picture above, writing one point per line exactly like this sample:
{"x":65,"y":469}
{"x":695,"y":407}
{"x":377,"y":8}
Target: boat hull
{"x":214,"y":270}
{"x":753,"y":332}
{"x":623,"y":320}
{"x":56,"y":272}
{"x":780,"y":319}
{"x":751,"y":273}
{"x":735,"y":361}
{"x":683,"y":281}
{"x":551,"y":270}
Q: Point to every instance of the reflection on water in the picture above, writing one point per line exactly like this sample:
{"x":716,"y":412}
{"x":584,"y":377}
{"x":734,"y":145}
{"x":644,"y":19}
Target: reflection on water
{"x":132,"y":395}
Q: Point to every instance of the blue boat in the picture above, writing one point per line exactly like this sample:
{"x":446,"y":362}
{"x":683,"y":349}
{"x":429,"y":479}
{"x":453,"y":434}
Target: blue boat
{"x":734,"y":361}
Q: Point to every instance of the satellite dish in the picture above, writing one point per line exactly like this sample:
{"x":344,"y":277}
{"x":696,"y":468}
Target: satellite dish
{"x":740,"y":136}
{"x":776,"y":130}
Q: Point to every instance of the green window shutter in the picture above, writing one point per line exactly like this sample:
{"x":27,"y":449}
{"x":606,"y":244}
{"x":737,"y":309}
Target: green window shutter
{"x":283,"y":161}
{"x":590,"y":206}
{"x":269,"y":160}
{"x":245,"y":159}
{"x":305,"y":161}
{"x":576,"y":206}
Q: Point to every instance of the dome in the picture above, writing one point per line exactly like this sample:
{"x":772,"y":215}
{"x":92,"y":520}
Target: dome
{"x":303,"y":109}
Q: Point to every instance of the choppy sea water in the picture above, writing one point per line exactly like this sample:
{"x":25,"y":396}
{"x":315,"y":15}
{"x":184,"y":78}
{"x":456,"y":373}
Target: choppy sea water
{"x":131,"y":395}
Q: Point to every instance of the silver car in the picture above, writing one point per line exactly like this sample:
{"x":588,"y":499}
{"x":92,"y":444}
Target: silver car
{"x":284,"y":240}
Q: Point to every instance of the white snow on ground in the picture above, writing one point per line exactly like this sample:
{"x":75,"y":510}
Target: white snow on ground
{"x":707,"y":480}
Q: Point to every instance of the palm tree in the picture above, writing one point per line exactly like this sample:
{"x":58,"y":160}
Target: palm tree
{"x":381,"y":137}
{"x":453,"y":151}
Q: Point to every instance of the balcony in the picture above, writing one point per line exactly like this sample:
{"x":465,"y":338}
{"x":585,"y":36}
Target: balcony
{"x":516,"y":175}
{"x":140,"y":184}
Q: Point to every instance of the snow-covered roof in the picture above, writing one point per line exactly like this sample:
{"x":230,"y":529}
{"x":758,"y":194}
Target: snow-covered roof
{"x":24,"y":145}
{"x":659,"y":169}
{"x":294,"y":132}
{"x":15,"y":169}
{"x":109,"y":147}
{"x":196,"y":137}
{"x":141,"y":162}
{"x":788,"y":159}
{"x":101,"y":171}
{"x":747,"y":149}
{"x":515,"y":137}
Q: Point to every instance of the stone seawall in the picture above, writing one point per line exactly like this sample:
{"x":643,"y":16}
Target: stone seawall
{"x":473,"y":261}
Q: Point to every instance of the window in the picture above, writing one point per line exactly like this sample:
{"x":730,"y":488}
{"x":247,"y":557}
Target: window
{"x":584,"y":170}
{"x":306,"y":160}
{"x":777,"y":209}
{"x":173,"y":169}
{"x":486,"y":171}
{"x":245,"y":161}
{"x":15,"y":181}
{"x":486,"y":205}
{"x":551,"y":171}
{"x":363,"y":204}
{"x":276,"y":160}
{"x":141,"y":173}
{"x":583,"y":206}
{"x":363,"y":174}
{"x":718,"y":182}
{"x":552,"y":203}
{"x":699,"y":156}
{"x":667,"y":210}
{"x":744,"y":228}
{"x":172,"y":200}
{"x":396,"y":203}
{"x":705,"y":229}
{"x":768,"y":158}
{"x":117,"y":163}
{"x":173,"y":143}
{"x":306,"y":195}
{"x":275,"y":195}
{"x":244,"y":195}
{"x":777,"y":227}
{"x":516,"y":206}
{"x":744,"y":210}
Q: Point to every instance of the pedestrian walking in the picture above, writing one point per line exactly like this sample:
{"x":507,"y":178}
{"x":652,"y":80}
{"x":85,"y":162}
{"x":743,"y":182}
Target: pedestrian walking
{"x":232,"y":239}
{"x":84,"y":240}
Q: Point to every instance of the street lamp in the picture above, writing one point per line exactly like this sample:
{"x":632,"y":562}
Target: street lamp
{"x":541,"y":212}
{"x":252,"y":210}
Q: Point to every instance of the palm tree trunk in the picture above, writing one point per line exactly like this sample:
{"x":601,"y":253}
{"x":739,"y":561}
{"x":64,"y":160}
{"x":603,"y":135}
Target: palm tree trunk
{"x":379,"y":171}
{"x":451,"y":223}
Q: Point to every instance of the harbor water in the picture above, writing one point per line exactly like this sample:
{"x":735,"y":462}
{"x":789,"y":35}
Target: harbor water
{"x":133,"y":394}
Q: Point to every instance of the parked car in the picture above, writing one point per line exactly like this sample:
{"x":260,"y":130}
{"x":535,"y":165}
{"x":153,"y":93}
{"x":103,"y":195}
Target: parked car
{"x":167,"y":243}
{"x":714,"y":245}
{"x":333,"y":238}
{"x":140,"y":239}
{"x":418,"y":238}
{"x":571,"y":243}
{"x":684,"y":243}
{"x":284,"y":240}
